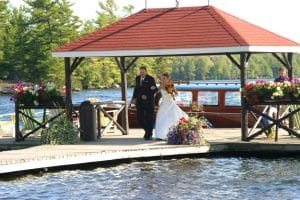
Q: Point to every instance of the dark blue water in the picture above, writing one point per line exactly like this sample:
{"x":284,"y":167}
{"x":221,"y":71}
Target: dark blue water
{"x":214,"y":178}
{"x":7,"y":106}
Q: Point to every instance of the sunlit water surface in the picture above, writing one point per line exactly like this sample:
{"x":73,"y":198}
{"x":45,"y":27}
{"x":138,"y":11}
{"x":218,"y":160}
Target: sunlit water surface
{"x":201,"y":178}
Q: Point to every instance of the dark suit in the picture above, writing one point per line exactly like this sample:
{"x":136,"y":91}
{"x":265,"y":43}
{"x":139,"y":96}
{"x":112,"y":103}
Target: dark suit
{"x":145,"y":108}
{"x":281,"y":79}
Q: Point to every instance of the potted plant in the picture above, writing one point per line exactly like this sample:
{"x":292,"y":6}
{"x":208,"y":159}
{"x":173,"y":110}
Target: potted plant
{"x":186,"y":132}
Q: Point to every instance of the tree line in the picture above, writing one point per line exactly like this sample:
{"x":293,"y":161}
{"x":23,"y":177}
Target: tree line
{"x":29,"y":34}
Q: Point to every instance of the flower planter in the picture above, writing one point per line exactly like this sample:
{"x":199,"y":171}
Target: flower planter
{"x":262,"y":92}
{"x":57,"y":101}
{"x":187,"y":132}
{"x":43,"y":95}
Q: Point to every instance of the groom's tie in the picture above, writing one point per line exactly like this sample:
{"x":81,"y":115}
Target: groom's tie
{"x":142,"y":79}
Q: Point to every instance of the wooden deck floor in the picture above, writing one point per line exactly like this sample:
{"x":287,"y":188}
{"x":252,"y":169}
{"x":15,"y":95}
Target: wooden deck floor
{"x":117,"y":146}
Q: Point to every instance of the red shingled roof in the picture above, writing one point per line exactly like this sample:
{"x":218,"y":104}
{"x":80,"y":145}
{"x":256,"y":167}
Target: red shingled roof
{"x":165,"y":30}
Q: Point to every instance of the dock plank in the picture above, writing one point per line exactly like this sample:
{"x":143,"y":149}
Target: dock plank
{"x":118,"y":146}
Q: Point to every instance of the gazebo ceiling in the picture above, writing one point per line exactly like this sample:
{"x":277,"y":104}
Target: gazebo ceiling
{"x":177,"y":31}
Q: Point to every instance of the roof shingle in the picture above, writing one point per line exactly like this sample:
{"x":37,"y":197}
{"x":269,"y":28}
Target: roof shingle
{"x":173,"y":28}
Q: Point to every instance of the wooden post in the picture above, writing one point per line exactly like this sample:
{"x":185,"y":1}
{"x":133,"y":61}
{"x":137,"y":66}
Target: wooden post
{"x":123,"y":68}
{"x":290,"y":65}
{"x":18,"y":135}
{"x":244,"y":112}
{"x":290,"y":74}
{"x":68,"y":84}
{"x":242,"y":65}
{"x":125,"y":121}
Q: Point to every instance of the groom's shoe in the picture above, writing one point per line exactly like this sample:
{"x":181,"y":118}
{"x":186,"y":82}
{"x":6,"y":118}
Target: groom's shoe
{"x":145,"y":136}
{"x":148,"y":138}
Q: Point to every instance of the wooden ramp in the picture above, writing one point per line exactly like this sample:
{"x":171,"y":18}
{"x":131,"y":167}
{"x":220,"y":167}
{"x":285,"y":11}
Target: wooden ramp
{"x":123,"y":147}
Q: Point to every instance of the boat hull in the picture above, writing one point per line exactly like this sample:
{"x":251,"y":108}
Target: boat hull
{"x":217,"y":119}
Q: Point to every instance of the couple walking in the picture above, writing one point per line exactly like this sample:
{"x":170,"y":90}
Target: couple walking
{"x":143,"y":97}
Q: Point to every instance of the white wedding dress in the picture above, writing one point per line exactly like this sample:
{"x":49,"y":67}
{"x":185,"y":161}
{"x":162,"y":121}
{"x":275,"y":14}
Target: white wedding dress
{"x":168,"y":115}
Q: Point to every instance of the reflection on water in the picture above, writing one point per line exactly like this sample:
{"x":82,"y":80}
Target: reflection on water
{"x":216,"y":178}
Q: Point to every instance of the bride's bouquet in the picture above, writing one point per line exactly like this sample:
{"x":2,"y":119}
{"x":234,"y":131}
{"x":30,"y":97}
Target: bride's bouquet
{"x":169,"y":87}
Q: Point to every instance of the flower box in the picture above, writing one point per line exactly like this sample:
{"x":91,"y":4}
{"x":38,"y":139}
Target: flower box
{"x":42,"y":95}
{"x":263,"y":92}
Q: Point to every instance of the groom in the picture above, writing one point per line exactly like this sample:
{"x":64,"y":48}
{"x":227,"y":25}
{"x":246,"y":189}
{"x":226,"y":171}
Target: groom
{"x":143,"y":98}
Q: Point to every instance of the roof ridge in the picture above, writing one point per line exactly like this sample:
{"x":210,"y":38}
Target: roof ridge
{"x":99,"y":30}
{"x":228,"y":24}
{"x":259,"y":27}
{"x":123,"y":28}
{"x":179,"y":8}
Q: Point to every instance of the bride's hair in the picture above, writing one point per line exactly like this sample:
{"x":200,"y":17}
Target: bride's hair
{"x":166,"y":75}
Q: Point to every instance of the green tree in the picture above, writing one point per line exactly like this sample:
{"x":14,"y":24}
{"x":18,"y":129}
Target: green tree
{"x":52,"y":24}
{"x":203,"y":65}
{"x":33,"y":32}
{"x":16,"y":37}
{"x":4,"y":13}
{"x":107,"y":15}
{"x":101,"y":72}
{"x":88,"y":27}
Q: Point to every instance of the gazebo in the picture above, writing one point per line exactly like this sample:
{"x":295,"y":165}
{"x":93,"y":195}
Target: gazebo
{"x":184,"y":31}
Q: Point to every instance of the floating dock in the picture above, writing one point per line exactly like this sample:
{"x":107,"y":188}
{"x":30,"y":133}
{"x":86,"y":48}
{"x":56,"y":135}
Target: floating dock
{"x":119,"y":148}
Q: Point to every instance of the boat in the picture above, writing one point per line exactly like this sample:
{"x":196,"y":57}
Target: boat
{"x":219,"y":103}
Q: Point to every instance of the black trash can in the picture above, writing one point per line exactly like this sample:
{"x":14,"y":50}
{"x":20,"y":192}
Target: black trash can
{"x":87,"y":120}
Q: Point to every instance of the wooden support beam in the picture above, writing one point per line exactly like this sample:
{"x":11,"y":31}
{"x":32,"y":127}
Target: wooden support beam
{"x":68,"y":84}
{"x":244,"y":58}
{"x":123,"y":68}
{"x":75,"y":63}
{"x":282,"y":61}
{"x":131,"y":63}
{"x":128,"y":66}
{"x":235,"y":62}
{"x":248,"y":57}
{"x":125,"y":120}
{"x":290,"y":62}
{"x":118,"y":63}
{"x":290,"y":74}
{"x":287,"y":65}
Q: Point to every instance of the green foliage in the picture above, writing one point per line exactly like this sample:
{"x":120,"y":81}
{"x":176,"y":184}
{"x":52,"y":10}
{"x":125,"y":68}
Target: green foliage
{"x":3,"y":23}
{"x":107,"y":15}
{"x":60,"y":131}
{"x":32,"y":33}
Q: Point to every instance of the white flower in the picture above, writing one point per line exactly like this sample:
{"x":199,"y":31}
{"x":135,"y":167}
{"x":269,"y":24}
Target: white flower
{"x":50,"y":86}
{"x":278,"y":88}
{"x":35,"y":102}
{"x":26,"y":88}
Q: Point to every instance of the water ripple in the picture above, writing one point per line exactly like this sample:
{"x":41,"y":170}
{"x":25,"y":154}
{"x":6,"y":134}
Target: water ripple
{"x":216,"y":178}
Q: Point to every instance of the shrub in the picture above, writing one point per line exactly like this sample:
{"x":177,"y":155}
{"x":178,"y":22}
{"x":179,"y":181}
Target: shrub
{"x":60,"y":131}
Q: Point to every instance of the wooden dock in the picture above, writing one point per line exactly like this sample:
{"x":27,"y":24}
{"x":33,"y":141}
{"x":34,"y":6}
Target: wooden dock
{"x":117,"y":147}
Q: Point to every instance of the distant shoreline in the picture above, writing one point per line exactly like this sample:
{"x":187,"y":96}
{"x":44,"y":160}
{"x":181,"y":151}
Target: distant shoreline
{"x":5,"y":87}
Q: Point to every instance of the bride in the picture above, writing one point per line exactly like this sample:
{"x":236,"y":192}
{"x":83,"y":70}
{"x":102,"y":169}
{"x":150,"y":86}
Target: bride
{"x":168,"y":113}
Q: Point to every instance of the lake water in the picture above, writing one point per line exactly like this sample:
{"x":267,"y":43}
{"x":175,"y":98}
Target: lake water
{"x":198,"y":178}
{"x":8,"y":106}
